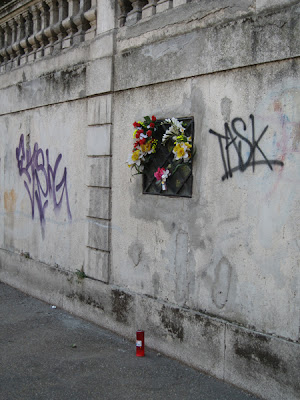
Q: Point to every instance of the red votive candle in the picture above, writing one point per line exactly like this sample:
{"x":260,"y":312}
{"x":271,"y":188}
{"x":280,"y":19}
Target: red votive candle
{"x":140,"y":346}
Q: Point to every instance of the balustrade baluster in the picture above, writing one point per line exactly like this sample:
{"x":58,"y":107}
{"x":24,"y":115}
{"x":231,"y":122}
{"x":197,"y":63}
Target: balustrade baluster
{"x":58,"y":27}
{"x":81,"y":23}
{"x":125,"y":7}
{"x":9,"y":49}
{"x":68,"y":23}
{"x":149,"y":9}
{"x":32,"y":40}
{"x":2,"y":50}
{"x":136,"y":13}
{"x":27,"y":17}
{"x":14,"y":41}
{"x":41,"y":37}
{"x":91,"y":16}
{"x":49,"y":31}
{"x":18,"y":37}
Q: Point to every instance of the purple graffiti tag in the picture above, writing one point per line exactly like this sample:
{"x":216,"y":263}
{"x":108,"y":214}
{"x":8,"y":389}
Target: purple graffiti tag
{"x":40,"y":180}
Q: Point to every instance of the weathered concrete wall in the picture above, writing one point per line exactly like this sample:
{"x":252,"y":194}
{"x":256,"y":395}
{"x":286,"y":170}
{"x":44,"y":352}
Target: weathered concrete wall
{"x":235,"y":242}
{"x":212,"y":279}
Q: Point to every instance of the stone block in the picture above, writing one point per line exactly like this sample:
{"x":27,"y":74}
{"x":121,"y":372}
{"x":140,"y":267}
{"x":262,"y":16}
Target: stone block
{"x":98,"y":140}
{"x":40,"y":52}
{"x":177,"y":3}
{"x":148,"y":11}
{"x":98,"y":234}
{"x":31,"y":57}
{"x":105,"y":15}
{"x":99,"y":76}
{"x":164,"y":5}
{"x":264,"y":365}
{"x":90,"y":34}
{"x":24,"y":59}
{"x":133,"y":17}
{"x":48,"y":50}
{"x":98,"y":171}
{"x":102,"y":46}
{"x":99,"y":203}
{"x":99,"y":110}
{"x":66,"y":42}
{"x":97,"y":265}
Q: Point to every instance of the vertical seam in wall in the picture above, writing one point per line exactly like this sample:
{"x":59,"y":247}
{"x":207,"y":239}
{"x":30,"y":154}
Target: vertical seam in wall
{"x":109,"y":272}
{"x":224,"y":361}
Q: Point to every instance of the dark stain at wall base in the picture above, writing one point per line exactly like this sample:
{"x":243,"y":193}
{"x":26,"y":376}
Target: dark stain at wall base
{"x":121,"y":305}
{"x":85,"y":299}
{"x":254,"y":352}
{"x":172,"y":320}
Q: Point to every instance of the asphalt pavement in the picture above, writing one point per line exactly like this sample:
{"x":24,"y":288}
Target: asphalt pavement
{"x":47,"y":353}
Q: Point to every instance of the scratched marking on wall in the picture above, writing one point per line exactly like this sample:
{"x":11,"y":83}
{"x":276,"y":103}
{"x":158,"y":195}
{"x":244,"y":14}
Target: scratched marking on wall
{"x":41,"y":180}
{"x":234,"y":139}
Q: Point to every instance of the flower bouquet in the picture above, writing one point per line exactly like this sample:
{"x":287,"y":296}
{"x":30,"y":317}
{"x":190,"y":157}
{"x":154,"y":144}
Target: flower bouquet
{"x":145,"y":147}
{"x":144,"y":143}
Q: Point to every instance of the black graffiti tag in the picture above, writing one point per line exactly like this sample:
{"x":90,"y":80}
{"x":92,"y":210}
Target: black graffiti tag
{"x":40,"y":181}
{"x":227,"y":140}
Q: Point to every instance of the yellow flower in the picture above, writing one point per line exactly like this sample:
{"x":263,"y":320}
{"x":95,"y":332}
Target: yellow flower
{"x":135,"y":155}
{"x":180,"y":152}
{"x":188,"y":145}
{"x":177,"y":147}
{"x":146,"y":147}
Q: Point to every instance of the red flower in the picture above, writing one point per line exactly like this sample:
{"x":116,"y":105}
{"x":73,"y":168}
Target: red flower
{"x":140,"y":131}
{"x":142,"y":141}
{"x":153,"y":118}
{"x":137,"y":135}
{"x":149,"y":133}
{"x":136,"y":144}
{"x":152,"y":125}
{"x":135,"y":124}
{"x":158,"y":174}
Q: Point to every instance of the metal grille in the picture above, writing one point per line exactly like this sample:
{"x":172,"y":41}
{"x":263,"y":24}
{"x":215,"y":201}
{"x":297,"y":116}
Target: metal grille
{"x":178,"y":184}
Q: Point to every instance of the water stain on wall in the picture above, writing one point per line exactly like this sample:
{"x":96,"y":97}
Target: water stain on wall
{"x":226,"y":108}
{"x":221,"y":283}
{"x":172,"y":320}
{"x":155,"y":283}
{"x":181,"y":267}
{"x":10,"y":199}
{"x":121,"y":305}
{"x":296,"y":138}
{"x":135,"y":252}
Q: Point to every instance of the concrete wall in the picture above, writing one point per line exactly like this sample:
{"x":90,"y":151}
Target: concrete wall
{"x":214,"y":279}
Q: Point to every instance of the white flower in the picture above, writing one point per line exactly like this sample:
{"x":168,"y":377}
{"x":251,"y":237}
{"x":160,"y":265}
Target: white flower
{"x":165,"y":175}
{"x":132,"y":162}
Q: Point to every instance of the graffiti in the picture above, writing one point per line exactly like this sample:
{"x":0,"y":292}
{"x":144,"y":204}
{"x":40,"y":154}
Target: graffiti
{"x":41,"y":180}
{"x":235,"y":141}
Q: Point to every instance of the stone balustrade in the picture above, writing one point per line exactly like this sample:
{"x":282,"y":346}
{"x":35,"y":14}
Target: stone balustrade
{"x":131,"y":11}
{"x":43,"y":28}
{"x":33,"y":29}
